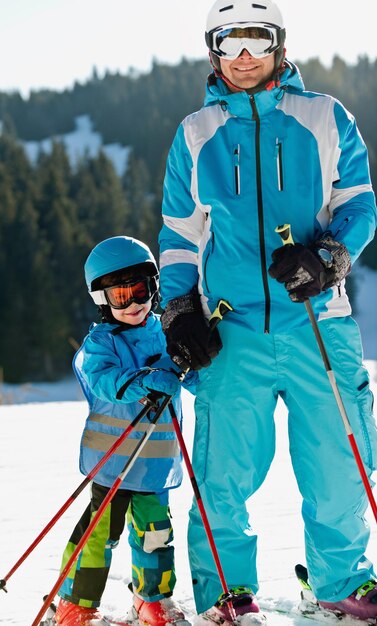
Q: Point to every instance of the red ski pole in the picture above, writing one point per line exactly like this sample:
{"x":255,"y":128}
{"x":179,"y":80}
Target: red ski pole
{"x":222,"y":308}
{"x":227,"y":594}
{"x":74,"y":495}
{"x":286,"y":236}
{"x":96,"y":518}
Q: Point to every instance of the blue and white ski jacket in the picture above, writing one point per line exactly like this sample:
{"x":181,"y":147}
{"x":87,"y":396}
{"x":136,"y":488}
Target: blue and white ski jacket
{"x":103,"y":365}
{"x":241,"y":166}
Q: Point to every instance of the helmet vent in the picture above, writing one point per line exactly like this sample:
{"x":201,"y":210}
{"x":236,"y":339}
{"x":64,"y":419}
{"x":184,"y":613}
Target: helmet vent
{"x":230,"y":6}
{"x":259,"y":6}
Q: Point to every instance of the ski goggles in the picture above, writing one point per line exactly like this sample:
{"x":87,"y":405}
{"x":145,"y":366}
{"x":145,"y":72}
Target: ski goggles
{"x":259,"y":40}
{"x":121,"y":296}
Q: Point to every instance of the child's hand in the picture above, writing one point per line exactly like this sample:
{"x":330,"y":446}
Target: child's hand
{"x":162,"y":381}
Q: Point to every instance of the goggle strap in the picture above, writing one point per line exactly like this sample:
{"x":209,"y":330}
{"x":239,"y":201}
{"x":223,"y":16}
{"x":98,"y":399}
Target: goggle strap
{"x":98,"y":297}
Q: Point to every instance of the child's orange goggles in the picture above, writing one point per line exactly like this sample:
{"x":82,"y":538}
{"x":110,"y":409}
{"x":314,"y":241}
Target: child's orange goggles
{"x":121,"y":296}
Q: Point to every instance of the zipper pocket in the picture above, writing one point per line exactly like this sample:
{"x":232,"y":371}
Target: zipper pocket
{"x":279,"y":164}
{"x":209,"y":252}
{"x":345,"y":222}
{"x":236,"y":169}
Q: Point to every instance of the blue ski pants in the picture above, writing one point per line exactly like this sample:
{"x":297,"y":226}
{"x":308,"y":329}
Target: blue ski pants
{"x":234,"y":445}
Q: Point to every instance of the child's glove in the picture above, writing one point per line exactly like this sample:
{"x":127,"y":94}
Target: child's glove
{"x":163,"y":381}
{"x":162,"y":377}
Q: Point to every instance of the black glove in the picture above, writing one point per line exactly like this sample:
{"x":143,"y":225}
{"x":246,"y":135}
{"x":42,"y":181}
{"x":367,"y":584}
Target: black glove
{"x":308,"y":270}
{"x":191,"y":342}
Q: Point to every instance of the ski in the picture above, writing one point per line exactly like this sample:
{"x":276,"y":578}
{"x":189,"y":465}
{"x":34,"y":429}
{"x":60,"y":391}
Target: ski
{"x":250,"y":619}
{"x":136,"y":622}
{"x":49,"y":619}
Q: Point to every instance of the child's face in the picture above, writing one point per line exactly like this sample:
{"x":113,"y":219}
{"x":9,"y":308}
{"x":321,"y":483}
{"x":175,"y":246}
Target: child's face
{"x":133,"y":314}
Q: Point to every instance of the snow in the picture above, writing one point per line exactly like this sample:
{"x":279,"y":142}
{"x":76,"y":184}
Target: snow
{"x":365,"y":308}
{"x":39,"y":471}
{"x":81,"y":142}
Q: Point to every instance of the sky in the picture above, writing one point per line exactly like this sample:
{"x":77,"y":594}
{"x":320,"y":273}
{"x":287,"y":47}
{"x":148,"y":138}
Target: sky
{"x":45,"y":473}
{"x":53,"y":43}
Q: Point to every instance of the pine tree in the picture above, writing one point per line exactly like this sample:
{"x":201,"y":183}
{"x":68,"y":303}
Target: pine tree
{"x":136,"y":184}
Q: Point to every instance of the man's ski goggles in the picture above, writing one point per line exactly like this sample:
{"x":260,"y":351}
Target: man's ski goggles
{"x":121,"y":296}
{"x":228,"y":42}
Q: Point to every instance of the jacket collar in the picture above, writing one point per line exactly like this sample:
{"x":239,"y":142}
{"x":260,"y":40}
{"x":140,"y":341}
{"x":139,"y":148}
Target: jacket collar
{"x":238,"y":103}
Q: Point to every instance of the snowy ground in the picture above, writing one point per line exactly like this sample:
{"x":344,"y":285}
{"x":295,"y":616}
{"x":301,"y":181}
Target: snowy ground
{"x":38,"y":471}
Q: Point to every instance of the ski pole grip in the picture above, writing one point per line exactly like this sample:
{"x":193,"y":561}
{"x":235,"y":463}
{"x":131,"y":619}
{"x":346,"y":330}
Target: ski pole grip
{"x":284,"y":230}
{"x":223,"y":307}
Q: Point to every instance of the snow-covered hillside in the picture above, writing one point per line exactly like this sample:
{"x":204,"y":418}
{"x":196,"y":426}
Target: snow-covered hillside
{"x":39,"y":470}
{"x":80,"y":142}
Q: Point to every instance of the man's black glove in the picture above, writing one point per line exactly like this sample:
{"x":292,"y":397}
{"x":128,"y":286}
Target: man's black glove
{"x":308,"y":270}
{"x":191,"y":342}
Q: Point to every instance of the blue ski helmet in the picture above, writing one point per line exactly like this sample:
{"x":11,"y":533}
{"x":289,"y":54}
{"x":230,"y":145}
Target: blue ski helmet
{"x":118,"y":253}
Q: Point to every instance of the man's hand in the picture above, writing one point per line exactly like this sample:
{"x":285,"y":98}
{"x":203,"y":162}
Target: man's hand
{"x":190,"y":341}
{"x":308,"y":270}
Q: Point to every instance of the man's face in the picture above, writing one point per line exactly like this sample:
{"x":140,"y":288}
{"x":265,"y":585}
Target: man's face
{"x":246,"y":71}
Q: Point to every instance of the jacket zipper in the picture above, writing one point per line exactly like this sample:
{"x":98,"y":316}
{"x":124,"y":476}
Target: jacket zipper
{"x":212,"y":241}
{"x":262,"y":245}
{"x":237,"y":178}
{"x":279,"y":164}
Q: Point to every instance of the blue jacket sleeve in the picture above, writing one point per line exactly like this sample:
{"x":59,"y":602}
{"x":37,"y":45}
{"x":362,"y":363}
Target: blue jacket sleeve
{"x":352,"y":202}
{"x":183,"y":222}
{"x":105,"y":375}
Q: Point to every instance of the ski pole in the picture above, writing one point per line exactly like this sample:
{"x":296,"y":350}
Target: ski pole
{"x":74,"y":495}
{"x":285,"y":233}
{"x":222,"y":308}
{"x":99,"y":513}
{"x":227,"y":596}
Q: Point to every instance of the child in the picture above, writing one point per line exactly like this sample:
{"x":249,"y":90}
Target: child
{"x":122,"y":278}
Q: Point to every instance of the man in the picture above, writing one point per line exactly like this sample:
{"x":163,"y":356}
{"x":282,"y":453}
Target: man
{"x":263,"y":152}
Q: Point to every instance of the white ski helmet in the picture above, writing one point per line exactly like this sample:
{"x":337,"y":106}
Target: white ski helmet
{"x":242,"y":14}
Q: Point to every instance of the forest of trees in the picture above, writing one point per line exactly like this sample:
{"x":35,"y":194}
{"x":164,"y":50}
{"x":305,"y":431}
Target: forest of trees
{"x":51,"y":213}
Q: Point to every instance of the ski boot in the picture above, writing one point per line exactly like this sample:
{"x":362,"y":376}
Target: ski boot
{"x":361,"y":604}
{"x":158,"y":613}
{"x":244,"y":605}
{"x":69,"y":614}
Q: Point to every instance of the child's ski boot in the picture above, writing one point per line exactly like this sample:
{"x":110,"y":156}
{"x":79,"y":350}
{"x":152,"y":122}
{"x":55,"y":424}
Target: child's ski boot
{"x":158,"y":613}
{"x":69,"y":614}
